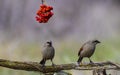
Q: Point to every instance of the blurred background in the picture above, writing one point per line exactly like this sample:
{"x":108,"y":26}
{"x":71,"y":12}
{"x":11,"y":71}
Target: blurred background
{"x":73,"y":23}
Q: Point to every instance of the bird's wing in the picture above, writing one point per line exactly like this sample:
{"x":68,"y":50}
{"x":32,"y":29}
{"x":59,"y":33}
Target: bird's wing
{"x":81,"y":49}
{"x":53,"y":52}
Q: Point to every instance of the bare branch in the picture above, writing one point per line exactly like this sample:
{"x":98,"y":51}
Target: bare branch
{"x":35,"y":66}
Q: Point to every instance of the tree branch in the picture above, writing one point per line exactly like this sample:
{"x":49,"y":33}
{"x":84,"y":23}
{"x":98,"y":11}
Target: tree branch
{"x":35,"y":66}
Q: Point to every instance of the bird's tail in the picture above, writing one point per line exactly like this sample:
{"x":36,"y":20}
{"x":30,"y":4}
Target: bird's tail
{"x":42,"y":62}
{"x":79,"y":60}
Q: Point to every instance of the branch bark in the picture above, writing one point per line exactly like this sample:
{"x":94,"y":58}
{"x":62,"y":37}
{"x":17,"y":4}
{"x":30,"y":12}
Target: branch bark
{"x":35,"y":66}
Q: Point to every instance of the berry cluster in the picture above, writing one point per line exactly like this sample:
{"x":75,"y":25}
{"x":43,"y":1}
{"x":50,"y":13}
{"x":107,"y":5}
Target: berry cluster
{"x":44,"y":13}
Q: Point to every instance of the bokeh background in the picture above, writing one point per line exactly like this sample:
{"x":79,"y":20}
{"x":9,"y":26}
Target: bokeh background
{"x":73,"y":23}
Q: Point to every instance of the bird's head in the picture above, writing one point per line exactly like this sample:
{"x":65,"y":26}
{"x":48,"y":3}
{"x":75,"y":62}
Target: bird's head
{"x":95,"y":42}
{"x":48,"y":43}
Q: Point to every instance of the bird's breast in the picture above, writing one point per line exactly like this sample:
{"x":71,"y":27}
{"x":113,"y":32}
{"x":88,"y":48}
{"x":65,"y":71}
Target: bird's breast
{"x":48,"y":53}
{"x":88,"y":50}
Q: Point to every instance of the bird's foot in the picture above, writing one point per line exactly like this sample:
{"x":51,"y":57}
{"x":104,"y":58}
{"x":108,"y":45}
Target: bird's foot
{"x":77,"y":64}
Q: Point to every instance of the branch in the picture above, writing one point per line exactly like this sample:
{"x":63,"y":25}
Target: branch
{"x":35,"y":66}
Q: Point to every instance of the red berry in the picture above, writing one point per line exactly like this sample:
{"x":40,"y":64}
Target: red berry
{"x":44,"y":13}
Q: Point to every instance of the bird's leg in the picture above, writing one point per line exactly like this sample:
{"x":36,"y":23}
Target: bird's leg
{"x":80,"y":60}
{"x":91,"y":62}
{"x":52,"y":63}
{"x":43,"y":65}
{"x":42,"y":62}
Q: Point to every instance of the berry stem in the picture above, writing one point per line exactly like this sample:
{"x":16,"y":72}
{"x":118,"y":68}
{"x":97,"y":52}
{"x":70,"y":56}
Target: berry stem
{"x":43,"y":1}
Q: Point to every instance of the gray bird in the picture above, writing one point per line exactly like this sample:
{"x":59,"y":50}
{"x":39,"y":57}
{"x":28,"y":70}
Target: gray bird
{"x":48,"y":53}
{"x":87,"y":50}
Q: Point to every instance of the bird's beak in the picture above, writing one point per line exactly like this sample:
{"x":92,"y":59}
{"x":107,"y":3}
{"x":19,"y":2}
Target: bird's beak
{"x":98,"y":42}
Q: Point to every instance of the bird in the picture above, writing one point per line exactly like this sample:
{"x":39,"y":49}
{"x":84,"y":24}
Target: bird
{"x":47,"y":53}
{"x":87,"y":50}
